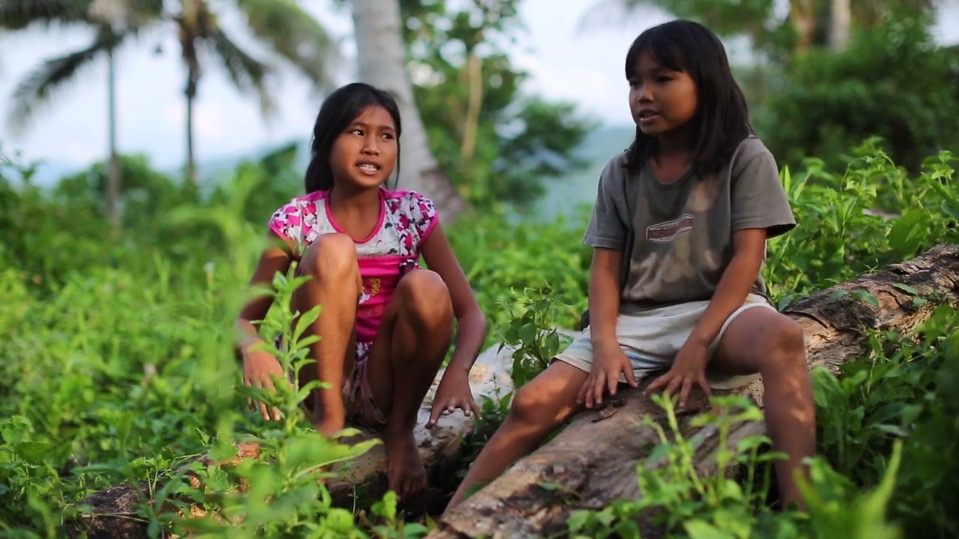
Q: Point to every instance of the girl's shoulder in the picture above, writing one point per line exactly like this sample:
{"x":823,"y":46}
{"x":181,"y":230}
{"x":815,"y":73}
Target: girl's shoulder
{"x":403,"y":200}
{"x":749,"y":148}
{"x":617,"y":165}
{"x":410,"y":210}
{"x":305,"y":200}
{"x":404,"y":194}
{"x":619,"y":161}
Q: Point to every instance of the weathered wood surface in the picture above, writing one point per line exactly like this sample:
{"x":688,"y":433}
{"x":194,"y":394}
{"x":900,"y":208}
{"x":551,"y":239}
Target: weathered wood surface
{"x":593,"y":461}
{"x":113,"y":511}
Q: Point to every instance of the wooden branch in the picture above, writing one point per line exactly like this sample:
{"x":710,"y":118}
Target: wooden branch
{"x":593,"y":460}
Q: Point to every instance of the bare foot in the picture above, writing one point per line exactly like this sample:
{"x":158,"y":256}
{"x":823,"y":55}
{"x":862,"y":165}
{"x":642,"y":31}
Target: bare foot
{"x":330,"y":419}
{"x":405,"y":472}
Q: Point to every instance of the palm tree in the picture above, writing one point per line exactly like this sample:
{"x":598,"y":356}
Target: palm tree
{"x":113,"y":23}
{"x":382,"y":63}
{"x":289,"y":31}
{"x":292,"y":34}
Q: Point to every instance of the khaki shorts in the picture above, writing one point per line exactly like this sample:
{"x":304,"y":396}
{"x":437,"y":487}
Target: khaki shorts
{"x":652,"y":339}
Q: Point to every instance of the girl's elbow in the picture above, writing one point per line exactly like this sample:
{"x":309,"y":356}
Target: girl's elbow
{"x":476,"y":318}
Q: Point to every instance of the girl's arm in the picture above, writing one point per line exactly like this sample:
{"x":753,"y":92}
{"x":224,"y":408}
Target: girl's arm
{"x":689,"y":369}
{"x":604,"y":275}
{"x":273,"y":259}
{"x":260,"y":367}
{"x":608,"y":358}
{"x":454,"y":389}
{"x":749,"y":249}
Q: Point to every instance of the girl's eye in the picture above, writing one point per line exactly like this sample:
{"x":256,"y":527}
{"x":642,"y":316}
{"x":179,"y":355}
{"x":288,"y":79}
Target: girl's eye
{"x":387,"y":136}
{"x":356,"y":132}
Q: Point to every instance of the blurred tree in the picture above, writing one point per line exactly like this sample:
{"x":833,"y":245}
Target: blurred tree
{"x":382,"y":63}
{"x":806,"y":23}
{"x":497,"y":143}
{"x":281,"y":25}
{"x":892,"y":82}
{"x":113,"y":21}
{"x":843,"y":72}
{"x":293,"y":35}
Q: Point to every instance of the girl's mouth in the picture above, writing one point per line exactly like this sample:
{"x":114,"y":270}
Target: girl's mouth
{"x":647,"y":116}
{"x":368,"y":168}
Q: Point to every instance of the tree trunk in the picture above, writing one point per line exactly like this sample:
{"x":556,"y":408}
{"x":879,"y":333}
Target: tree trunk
{"x":802,"y":13}
{"x":382,"y":63}
{"x":190,"y":158}
{"x":593,"y":459}
{"x":113,"y":166}
{"x":840,"y":23}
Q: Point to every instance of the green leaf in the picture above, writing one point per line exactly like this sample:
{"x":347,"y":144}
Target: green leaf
{"x":698,"y":529}
{"x":906,"y":288}
{"x":866,"y":297}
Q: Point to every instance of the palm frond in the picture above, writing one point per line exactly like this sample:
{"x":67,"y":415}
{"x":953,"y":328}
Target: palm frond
{"x":294,"y":35}
{"x":37,"y":87}
{"x":19,"y":14}
{"x":245,"y":71}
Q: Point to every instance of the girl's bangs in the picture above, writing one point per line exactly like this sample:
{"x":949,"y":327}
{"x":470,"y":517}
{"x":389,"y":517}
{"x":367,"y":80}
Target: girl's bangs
{"x":665,"y":51}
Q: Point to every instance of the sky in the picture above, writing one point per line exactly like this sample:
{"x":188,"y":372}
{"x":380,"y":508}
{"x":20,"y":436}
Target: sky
{"x":566,"y":60}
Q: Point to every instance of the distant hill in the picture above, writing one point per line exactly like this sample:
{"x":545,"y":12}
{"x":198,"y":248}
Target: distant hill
{"x":565,"y":193}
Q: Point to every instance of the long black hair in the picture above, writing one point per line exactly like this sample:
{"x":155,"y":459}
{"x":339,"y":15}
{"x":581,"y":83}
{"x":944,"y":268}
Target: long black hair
{"x":339,"y":109}
{"x":722,"y":116}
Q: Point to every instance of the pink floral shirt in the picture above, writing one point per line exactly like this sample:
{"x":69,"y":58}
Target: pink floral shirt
{"x":390,"y":251}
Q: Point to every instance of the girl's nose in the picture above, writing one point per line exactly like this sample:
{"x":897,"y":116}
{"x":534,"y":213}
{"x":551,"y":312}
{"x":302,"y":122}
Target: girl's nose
{"x":645,"y":94}
{"x":371,"y":148}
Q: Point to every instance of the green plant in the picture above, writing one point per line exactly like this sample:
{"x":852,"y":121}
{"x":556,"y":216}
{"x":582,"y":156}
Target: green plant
{"x":533,"y":332}
{"x":848,"y":223}
{"x":677,"y":498}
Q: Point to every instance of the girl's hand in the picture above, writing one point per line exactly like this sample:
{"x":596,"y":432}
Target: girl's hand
{"x":688,"y":370}
{"x":608,"y":363}
{"x":452,"y":393}
{"x":259,"y":369}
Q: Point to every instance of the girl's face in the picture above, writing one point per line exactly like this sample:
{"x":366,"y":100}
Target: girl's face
{"x":364,"y":154}
{"x":662,"y":101}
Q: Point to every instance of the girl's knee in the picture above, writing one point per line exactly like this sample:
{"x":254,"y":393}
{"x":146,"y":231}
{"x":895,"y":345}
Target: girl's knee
{"x":426,"y":299}
{"x":783,"y":342}
{"x":526,"y":403}
{"x":331,"y":256}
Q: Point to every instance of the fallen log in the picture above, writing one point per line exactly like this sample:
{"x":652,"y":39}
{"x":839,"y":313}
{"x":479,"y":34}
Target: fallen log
{"x":593,"y":460}
{"x":113,"y":512}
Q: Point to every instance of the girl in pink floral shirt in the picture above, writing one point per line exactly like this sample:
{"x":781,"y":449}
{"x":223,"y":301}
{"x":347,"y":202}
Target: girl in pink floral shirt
{"x":386,"y":324}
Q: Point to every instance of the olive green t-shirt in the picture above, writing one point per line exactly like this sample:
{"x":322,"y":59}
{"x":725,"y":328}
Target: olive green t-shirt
{"x":677,"y":237}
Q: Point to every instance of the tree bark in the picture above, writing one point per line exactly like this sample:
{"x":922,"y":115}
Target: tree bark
{"x":382,"y":63}
{"x":802,"y":14}
{"x":840,"y":24}
{"x":593,"y":459}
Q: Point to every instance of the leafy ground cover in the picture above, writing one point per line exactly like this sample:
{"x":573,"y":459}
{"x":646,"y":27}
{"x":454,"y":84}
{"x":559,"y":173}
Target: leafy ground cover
{"x":117,"y":363}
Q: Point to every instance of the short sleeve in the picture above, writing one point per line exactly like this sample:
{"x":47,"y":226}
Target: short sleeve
{"x":423,"y":215}
{"x":758,"y":197}
{"x":608,"y":225}
{"x":287,"y":223}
